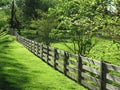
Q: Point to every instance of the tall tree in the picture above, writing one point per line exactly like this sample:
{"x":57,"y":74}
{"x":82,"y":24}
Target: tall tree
{"x":14,"y":22}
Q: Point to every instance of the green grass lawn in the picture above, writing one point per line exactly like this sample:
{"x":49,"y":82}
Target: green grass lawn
{"x":21,"y":70}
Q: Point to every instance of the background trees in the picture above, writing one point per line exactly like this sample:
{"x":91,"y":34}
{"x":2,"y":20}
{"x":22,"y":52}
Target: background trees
{"x":85,"y":19}
{"x":76,"y":21}
{"x":4,"y":2}
{"x":4,"y":15}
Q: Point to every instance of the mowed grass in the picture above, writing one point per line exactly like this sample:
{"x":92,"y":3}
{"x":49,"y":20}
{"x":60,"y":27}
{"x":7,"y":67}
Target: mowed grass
{"x":21,"y":70}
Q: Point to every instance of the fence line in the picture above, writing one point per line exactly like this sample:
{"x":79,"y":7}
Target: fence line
{"x":92,"y":74}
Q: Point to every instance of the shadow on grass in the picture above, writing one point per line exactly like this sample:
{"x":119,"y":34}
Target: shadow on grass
{"x":12,"y":75}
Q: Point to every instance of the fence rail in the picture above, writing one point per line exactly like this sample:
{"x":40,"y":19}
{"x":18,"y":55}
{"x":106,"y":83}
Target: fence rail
{"x":92,"y":74}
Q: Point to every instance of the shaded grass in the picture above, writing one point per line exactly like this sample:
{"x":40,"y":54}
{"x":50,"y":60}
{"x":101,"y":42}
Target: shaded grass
{"x":21,"y":70}
{"x":11,"y":74}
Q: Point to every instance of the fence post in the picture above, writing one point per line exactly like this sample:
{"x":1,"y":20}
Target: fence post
{"x":79,"y":69}
{"x":20,"y":39}
{"x":28,"y":44}
{"x":41,"y":49}
{"x":47,"y":54}
{"x":31,"y":45}
{"x":11,"y":31}
{"x":37,"y":49}
{"x":66,"y":57}
{"x":17,"y":37}
{"x":34,"y":51}
{"x":55,"y":58}
{"x":103,"y":75}
{"x":24,"y":42}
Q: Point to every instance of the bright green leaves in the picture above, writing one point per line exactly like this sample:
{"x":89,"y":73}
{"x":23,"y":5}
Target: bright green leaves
{"x":85,"y":18}
{"x":78,"y":20}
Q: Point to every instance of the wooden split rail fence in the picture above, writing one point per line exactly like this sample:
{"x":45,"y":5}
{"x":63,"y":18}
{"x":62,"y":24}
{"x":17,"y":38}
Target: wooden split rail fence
{"x":92,"y":74}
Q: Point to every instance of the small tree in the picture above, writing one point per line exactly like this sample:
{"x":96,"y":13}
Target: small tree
{"x":81,"y":37}
{"x":44,"y":27}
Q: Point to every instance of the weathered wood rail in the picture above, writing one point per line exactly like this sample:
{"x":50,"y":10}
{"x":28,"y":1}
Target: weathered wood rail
{"x":92,"y":74}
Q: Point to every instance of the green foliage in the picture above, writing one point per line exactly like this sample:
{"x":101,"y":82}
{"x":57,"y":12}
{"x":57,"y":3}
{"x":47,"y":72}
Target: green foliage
{"x":70,"y":17}
{"x":103,"y":50}
{"x":84,"y":22}
{"x":30,"y":8}
{"x":3,"y":19}
{"x":75,"y":22}
{"x":4,"y":2}
{"x":106,"y":50}
{"x":3,"y":23}
{"x":43,"y":27}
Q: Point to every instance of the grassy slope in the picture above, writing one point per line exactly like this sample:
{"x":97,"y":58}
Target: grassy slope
{"x":106,"y":50}
{"x":21,"y":70}
{"x":103,"y":50}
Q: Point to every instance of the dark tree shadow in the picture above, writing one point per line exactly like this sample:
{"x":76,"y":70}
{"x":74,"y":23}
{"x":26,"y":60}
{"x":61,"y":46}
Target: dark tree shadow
{"x":12,"y":73}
